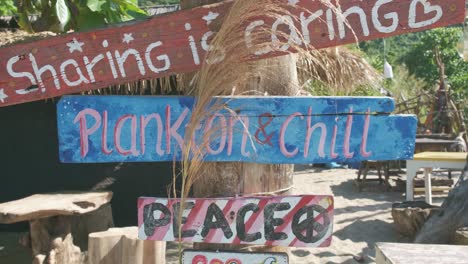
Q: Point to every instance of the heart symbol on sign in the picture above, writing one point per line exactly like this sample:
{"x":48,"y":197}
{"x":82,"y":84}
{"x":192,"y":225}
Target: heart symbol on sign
{"x":428,"y":8}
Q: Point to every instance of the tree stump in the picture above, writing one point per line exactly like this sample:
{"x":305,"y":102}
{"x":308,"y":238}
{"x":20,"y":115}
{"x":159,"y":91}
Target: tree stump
{"x":122,"y":246}
{"x":461,"y":237}
{"x":409,"y":217}
{"x":52,"y":241}
{"x":54,"y":218}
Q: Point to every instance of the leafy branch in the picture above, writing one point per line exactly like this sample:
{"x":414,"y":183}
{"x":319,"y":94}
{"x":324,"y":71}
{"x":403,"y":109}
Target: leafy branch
{"x":78,"y":15}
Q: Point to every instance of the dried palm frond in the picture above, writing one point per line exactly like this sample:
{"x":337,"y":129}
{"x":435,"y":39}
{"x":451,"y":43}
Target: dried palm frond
{"x":340,"y":69}
{"x":8,"y":38}
{"x":165,"y":85}
{"x":235,"y":74}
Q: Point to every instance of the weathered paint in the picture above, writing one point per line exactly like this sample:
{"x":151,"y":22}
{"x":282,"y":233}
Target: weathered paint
{"x":227,"y":257}
{"x":281,"y":130}
{"x":296,"y":221}
{"x":177,"y":42}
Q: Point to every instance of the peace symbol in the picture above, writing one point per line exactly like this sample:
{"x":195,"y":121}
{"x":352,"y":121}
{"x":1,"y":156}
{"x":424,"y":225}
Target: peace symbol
{"x":314,"y":231}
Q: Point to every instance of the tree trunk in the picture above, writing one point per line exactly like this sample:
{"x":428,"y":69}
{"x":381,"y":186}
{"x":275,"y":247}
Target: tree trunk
{"x":441,"y":227}
{"x":122,"y":246}
{"x":235,"y":178}
{"x":52,"y":241}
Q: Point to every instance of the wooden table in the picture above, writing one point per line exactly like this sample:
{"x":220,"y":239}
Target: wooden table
{"x":399,"y":253}
{"x":432,"y":144}
{"x":427,"y":161}
{"x":57,"y":221}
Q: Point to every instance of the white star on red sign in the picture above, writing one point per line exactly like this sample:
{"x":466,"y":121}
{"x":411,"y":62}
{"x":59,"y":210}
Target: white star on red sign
{"x":127,"y":38}
{"x":210,"y":17}
{"x":75,"y":45}
{"x":3,"y":96}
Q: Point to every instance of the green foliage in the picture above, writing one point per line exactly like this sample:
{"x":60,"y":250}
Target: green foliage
{"x":391,"y":49}
{"x":317,"y":88}
{"x":416,"y":53}
{"x":421,"y":61}
{"x":404,"y":85}
{"x":78,"y":15}
{"x":7,"y":8}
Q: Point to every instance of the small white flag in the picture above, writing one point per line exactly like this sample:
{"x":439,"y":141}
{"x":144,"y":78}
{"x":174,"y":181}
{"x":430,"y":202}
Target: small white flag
{"x":388,"y":71}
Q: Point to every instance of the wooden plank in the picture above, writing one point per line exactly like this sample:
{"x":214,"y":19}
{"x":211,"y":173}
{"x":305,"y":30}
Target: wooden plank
{"x":226,"y":257}
{"x":434,"y":189}
{"x":399,"y":253}
{"x":47,"y":205}
{"x":297,"y":221}
{"x":441,"y":156}
{"x":264,"y":129}
{"x":177,"y":42}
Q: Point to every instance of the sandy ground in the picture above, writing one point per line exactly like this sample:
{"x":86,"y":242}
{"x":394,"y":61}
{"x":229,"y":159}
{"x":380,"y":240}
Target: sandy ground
{"x":361,"y":220}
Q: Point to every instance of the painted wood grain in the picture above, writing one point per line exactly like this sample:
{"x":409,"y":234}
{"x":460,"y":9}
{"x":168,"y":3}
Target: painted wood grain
{"x":177,"y":43}
{"x":281,"y":130}
{"x":296,"y":221}
{"x":229,"y":257}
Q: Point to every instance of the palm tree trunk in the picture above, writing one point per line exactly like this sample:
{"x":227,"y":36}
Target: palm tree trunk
{"x":236,"y":178}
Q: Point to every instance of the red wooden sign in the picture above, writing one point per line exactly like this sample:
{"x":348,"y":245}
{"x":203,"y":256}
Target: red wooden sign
{"x":177,"y":42}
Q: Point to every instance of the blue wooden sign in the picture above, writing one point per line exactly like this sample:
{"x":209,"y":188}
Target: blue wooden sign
{"x":278,"y":130}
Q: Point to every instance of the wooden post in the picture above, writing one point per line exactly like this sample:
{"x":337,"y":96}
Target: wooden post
{"x":121,"y":246}
{"x":230,"y":178}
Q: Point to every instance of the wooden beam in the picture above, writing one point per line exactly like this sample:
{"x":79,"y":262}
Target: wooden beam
{"x":280,"y":130}
{"x":434,"y":189}
{"x":177,"y":43}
